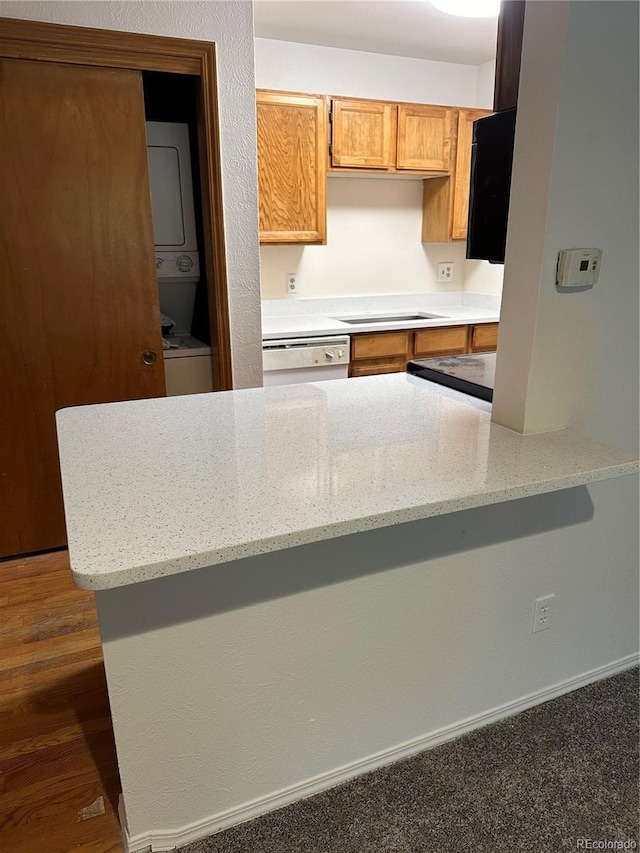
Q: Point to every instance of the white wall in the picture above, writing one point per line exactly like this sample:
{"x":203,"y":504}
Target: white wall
{"x":484,"y":85}
{"x":283,"y":674}
{"x":230,"y":25}
{"x":355,"y":73}
{"x":573,"y":358}
{"x":374,"y":225}
{"x":374,"y":229}
{"x":482,"y":277}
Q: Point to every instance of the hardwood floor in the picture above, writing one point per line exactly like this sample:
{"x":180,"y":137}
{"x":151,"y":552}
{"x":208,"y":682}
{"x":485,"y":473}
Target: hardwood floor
{"x":58,"y":772}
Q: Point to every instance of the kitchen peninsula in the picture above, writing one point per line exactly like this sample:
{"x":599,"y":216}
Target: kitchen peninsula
{"x":264,"y":563}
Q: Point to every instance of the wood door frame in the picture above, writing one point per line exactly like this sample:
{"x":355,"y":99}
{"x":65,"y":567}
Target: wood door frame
{"x":34,"y":40}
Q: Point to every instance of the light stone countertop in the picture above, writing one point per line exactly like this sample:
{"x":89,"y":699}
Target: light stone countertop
{"x":162,"y":486}
{"x":317,"y":317}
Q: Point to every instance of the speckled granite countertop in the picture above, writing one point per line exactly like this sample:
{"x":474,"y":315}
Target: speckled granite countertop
{"x":291,"y":318}
{"x":157,"y":487}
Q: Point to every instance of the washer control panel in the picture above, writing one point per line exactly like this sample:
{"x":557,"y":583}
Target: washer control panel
{"x":178,"y":265}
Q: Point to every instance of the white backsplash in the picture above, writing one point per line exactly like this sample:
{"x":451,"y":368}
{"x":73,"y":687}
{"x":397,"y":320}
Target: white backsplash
{"x":395,"y":302}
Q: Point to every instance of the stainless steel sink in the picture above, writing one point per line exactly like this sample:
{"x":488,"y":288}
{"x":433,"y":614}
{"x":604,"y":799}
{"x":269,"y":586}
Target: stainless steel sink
{"x":388,"y":318}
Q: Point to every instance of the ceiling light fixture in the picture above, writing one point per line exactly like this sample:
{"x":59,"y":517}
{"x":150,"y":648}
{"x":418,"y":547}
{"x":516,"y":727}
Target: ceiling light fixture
{"x":469,"y":8}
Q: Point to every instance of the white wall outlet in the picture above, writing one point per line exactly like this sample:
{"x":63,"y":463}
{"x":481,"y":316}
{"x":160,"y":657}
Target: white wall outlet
{"x":292,"y":282}
{"x":542,"y":610}
{"x":445,"y":271}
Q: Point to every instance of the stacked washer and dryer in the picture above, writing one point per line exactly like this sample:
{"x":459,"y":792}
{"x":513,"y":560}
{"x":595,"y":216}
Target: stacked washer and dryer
{"x":187,"y":361}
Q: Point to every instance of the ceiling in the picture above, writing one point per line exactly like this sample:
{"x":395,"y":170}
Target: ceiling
{"x":398,"y":27}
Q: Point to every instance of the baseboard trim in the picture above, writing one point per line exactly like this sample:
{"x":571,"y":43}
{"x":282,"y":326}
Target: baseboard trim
{"x":164,"y":841}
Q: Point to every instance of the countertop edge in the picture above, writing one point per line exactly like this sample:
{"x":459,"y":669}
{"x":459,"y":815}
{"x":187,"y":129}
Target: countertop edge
{"x":336,"y":327}
{"x":290,"y":539}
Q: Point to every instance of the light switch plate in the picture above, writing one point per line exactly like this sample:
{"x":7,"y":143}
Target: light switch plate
{"x":578,"y":268}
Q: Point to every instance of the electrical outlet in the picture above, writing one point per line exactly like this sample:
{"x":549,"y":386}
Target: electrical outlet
{"x":292,"y":283}
{"x":445,"y":271}
{"x":542,"y":611}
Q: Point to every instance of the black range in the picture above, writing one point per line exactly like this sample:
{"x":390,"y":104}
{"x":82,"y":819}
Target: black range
{"x":471,"y":374}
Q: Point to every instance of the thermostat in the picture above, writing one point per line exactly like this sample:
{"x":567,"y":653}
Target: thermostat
{"x":578,"y":268}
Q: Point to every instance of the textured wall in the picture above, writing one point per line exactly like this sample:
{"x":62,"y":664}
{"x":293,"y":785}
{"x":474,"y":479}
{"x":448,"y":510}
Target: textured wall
{"x":230,"y":25}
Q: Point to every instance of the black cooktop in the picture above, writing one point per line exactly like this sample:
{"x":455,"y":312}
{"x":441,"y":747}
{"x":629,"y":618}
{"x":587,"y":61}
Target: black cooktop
{"x":471,"y":374}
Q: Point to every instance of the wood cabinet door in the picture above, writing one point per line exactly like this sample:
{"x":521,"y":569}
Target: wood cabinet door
{"x":462,"y":177}
{"x":384,"y":352}
{"x":484,"y":337}
{"x":424,"y":138}
{"x":292,"y":138}
{"x":79,"y":296}
{"x":363,"y":134}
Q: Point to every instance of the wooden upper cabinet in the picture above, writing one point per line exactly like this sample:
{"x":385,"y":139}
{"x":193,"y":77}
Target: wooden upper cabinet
{"x":363,"y":134}
{"x":446,"y":200}
{"x":424,"y":138}
{"x":462,"y":173}
{"x":380,"y":136}
{"x":292,"y":133}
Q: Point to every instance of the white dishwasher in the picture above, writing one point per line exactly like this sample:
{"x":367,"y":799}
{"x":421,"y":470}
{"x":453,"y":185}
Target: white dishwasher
{"x":285,"y":362}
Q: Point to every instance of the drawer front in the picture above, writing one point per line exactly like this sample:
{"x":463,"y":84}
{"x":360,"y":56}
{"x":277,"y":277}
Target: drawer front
{"x":379,"y":346}
{"x":448,"y":340}
{"x":372,"y":368}
{"x":484,"y":338}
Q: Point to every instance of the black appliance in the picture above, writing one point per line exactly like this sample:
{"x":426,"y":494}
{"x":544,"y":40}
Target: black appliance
{"x":471,"y":374}
{"x":491,"y":164}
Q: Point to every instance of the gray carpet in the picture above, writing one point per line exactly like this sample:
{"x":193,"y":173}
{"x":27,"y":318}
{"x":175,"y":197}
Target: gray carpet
{"x":534,"y":783}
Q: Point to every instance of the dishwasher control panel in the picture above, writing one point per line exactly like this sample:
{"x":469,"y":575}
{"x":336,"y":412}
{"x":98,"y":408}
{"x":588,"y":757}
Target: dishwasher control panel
{"x":300,"y":353}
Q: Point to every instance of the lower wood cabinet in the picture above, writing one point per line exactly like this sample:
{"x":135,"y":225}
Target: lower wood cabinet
{"x":389,"y":352}
{"x":447,"y":340}
{"x":483,"y":338}
{"x":381,"y":352}
{"x":373,"y":368}
{"x":380,"y":345}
